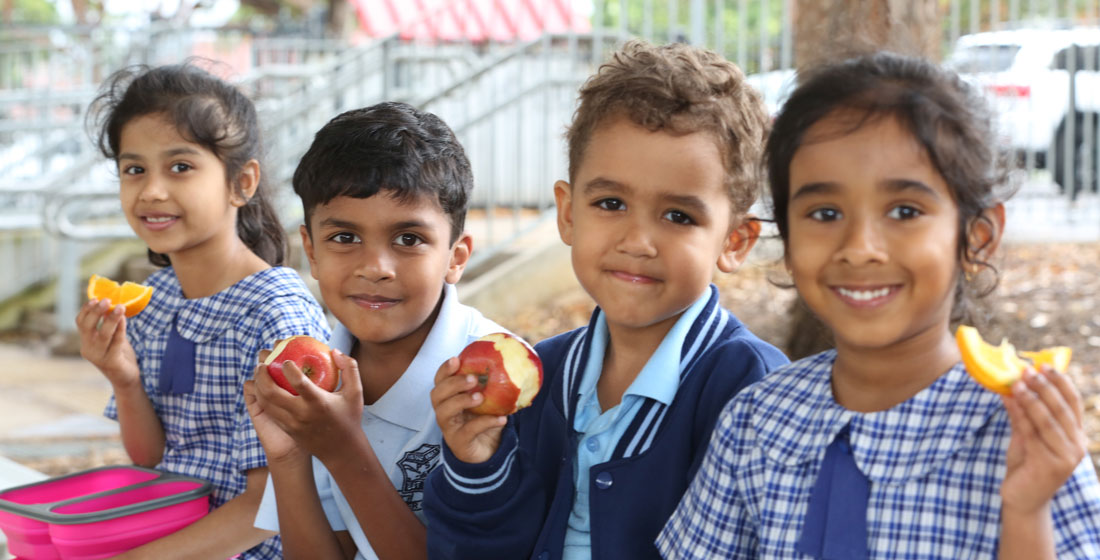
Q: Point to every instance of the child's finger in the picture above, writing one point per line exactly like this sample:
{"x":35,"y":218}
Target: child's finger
{"x":350,"y":381}
{"x":1068,"y":391}
{"x":446,"y":369}
{"x":480,"y":424}
{"x":1047,"y":428}
{"x":451,"y":414}
{"x":262,"y":355}
{"x":447,"y":388}
{"x":1056,"y":404}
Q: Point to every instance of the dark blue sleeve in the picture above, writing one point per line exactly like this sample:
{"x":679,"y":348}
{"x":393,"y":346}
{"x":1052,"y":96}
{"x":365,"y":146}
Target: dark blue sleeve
{"x":497,"y":509}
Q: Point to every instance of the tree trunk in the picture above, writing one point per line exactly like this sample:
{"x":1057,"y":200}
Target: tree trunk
{"x":830,"y":30}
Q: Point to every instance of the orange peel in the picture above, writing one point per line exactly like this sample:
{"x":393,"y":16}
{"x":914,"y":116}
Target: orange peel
{"x":131,"y":296}
{"x":997,"y":367}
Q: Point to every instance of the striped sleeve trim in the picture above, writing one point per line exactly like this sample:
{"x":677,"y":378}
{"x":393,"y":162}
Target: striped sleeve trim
{"x":481,"y":485}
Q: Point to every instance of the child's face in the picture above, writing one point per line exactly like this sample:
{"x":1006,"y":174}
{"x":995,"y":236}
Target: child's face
{"x":648,"y":218}
{"x":381,"y":264}
{"x":173,"y":191}
{"x":873,"y":234}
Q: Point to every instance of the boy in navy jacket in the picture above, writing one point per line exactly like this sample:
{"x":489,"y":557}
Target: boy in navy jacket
{"x":663,"y":154}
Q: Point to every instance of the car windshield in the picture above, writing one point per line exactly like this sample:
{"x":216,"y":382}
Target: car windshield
{"x":983,"y":58}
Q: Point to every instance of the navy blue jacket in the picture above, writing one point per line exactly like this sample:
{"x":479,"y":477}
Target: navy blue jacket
{"x":516,"y":504}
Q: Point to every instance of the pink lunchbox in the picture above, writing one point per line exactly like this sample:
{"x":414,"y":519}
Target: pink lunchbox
{"x":99,"y":512}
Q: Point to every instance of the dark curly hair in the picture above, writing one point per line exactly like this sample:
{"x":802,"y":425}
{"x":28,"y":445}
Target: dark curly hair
{"x":679,"y":89}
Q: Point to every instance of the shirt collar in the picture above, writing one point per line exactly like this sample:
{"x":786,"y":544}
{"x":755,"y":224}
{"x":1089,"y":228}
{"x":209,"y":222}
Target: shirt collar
{"x":406,"y":403}
{"x":203,"y":319}
{"x":660,"y":377}
{"x":796,"y":415}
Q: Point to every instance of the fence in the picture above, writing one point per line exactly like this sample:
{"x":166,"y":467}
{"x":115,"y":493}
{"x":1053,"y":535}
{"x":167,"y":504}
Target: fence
{"x":508,"y":98}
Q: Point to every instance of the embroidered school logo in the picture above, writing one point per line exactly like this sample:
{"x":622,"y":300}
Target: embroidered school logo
{"x":415,"y":466}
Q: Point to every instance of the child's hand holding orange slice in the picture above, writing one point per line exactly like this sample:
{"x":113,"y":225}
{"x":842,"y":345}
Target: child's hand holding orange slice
{"x":131,"y":296}
{"x":998,"y":367}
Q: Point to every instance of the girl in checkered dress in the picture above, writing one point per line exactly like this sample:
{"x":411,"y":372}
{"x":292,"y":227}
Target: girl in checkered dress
{"x":187,"y":148}
{"x":882,"y":179}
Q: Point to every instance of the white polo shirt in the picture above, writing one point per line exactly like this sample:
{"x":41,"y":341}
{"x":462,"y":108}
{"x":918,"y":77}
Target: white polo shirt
{"x":400,"y":425}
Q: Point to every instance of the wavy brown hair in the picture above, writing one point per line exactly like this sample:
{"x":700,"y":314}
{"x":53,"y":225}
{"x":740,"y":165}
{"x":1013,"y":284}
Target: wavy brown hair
{"x":679,"y":89}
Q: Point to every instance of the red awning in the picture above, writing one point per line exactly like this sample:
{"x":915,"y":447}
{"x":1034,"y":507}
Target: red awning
{"x":471,"y":20}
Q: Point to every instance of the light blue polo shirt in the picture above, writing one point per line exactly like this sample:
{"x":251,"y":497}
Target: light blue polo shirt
{"x":400,"y":425}
{"x":601,"y":431}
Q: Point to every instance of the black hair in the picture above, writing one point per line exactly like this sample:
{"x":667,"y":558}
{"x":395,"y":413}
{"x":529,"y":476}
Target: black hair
{"x":390,"y":147}
{"x":207,"y":111}
{"x":946,"y":117}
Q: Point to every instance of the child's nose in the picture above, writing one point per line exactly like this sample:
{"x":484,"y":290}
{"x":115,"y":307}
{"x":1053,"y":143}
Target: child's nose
{"x":153,"y":189}
{"x":375,"y":265}
{"x":863,"y":243}
{"x":636,"y":239}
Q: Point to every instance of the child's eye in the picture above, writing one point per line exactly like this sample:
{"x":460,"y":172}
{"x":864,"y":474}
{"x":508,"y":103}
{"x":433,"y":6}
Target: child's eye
{"x":180,"y":167}
{"x":678,"y":217}
{"x":903,"y":212}
{"x":344,"y":238}
{"x":825,"y":214}
{"x":612,"y":204}
{"x":408,"y":240}
{"x":133,"y":170}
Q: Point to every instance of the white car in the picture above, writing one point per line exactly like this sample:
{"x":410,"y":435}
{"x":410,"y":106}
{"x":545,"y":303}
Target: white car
{"x":1025,"y":75}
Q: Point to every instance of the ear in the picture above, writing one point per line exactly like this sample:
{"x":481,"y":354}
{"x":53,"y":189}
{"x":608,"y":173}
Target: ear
{"x":307,"y":245}
{"x":563,"y":198}
{"x":738,"y":244}
{"x":248,"y":180}
{"x":460,"y":256}
{"x":984,"y":233}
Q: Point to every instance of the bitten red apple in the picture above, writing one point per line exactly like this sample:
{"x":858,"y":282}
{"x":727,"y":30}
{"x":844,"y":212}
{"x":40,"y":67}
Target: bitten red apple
{"x":311,"y":356}
{"x":508,"y":371}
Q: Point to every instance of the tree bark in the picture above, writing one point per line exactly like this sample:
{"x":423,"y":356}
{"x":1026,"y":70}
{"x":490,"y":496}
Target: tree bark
{"x":831,"y":30}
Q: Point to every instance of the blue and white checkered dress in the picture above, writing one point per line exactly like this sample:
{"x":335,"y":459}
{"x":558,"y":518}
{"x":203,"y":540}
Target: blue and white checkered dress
{"x":208,"y":433}
{"x":935,"y":461}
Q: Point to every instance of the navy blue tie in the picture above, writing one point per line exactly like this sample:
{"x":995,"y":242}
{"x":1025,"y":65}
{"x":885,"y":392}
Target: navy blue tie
{"x":835,"y":527}
{"x":177,"y":368}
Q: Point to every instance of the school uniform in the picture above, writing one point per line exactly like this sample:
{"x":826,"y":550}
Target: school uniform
{"x":400,"y":425}
{"x":931,"y":470}
{"x":195,"y":355}
{"x":571,"y":480}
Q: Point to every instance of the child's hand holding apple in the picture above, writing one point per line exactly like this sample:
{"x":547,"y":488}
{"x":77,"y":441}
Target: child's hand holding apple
{"x":493,"y":377}
{"x":318,"y":420}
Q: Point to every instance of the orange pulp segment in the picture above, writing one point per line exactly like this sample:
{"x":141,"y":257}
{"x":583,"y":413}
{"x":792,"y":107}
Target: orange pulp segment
{"x":131,"y":296}
{"x":998,"y":367}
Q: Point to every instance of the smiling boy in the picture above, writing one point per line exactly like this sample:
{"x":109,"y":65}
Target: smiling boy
{"x":662,"y":157}
{"x":384,"y":191}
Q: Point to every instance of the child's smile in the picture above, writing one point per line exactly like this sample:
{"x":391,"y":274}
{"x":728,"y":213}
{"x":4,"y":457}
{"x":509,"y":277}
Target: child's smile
{"x":648,"y":219}
{"x":873,"y":233}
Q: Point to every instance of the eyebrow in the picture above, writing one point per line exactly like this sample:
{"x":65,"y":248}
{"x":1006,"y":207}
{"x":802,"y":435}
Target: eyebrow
{"x":603,"y":184}
{"x":337,"y":223}
{"x":688,"y":202}
{"x":892,"y":185}
{"x":183,"y":150}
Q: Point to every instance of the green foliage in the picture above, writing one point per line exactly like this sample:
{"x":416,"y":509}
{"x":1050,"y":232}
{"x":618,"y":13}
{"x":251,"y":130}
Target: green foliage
{"x":34,"y":11}
{"x":733,"y":27}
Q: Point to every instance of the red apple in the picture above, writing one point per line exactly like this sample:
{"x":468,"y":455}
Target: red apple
{"x":311,"y":356}
{"x":508,"y":371}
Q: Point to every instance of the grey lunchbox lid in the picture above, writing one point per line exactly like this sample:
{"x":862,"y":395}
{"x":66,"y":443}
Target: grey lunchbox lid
{"x":44,"y":511}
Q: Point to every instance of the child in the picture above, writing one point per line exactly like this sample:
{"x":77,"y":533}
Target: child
{"x":881,"y":173}
{"x":662,"y":158}
{"x":187,"y":147}
{"x":384,"y":191}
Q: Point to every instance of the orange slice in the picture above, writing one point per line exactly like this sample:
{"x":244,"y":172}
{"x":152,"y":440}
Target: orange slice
{"x":1057,"y":357}
{"x":131,"y":296}
{"x":998,"y":367}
